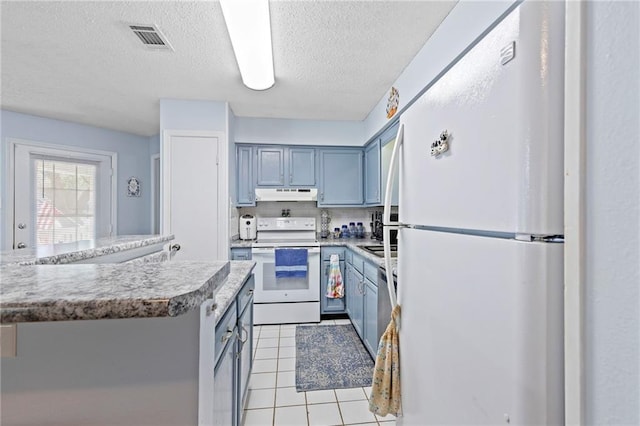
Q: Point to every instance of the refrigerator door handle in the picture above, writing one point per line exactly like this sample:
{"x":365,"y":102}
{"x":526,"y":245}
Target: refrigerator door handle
{"x":386,"y":216}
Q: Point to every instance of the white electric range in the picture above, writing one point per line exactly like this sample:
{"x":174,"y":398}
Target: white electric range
{"x":290,"y":299}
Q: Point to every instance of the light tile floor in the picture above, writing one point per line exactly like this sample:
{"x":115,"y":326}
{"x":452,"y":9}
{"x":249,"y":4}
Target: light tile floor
{"x":274,"y":401}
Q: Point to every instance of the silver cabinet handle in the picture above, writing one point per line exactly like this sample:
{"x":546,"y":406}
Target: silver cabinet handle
{"x":175,"y":247}
{"x":22,"y":225}
{"x":21,"y":245}
{"x":243,"y":341}
{"x":226,"y":336}
{"x":249,"y":292}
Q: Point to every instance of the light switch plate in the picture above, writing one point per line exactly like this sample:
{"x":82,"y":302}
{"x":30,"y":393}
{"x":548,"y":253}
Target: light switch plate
{"x":8,"y":347}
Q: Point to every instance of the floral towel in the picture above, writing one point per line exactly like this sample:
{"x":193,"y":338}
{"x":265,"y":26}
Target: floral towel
{"x":385,"y":389}
{"x":335,"y":289}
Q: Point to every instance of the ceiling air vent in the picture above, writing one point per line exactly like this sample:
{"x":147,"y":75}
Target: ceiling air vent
{"x":151,"y":37}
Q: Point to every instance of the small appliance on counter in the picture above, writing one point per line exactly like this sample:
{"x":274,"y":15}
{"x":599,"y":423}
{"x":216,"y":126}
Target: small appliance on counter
{"x":376,"y":227}
{"x":247,"y":227}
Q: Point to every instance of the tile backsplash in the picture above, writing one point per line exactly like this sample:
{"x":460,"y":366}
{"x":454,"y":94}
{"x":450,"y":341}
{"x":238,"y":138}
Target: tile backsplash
{"x":339,"y":216}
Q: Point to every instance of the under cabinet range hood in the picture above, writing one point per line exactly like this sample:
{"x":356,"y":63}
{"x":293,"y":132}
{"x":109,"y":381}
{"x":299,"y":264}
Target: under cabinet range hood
{"x":286,"y":194}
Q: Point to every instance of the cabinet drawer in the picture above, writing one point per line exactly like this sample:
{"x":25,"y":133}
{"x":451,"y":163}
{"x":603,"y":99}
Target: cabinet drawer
{"x":225,"y":329}
{"x":245,"y":294}
{"x":328,"y":251}
{"x":371,"y":272}
{"x":358,"y":263}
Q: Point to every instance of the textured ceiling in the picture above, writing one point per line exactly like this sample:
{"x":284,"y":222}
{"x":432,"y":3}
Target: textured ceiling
{"x":78,"y":61}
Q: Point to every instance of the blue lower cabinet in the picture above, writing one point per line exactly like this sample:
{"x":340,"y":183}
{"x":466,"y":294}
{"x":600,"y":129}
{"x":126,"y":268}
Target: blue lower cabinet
{"x":370,"y":316}
{"x":233,"y":348}
{"x":224,"y":383}
{"x":329,"y":305}
{"x":245,"y":344}
{"x":357,"y":293}
{"x":241,"y":253}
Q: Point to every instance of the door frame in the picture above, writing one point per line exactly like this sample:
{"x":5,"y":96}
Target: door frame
{"x":44,"y":148}
{"x":222,"y":161}
{"x":155,"y":157}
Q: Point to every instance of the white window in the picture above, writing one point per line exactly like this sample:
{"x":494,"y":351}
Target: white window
{"x":65,"y":207}
{"x":61,"y":195}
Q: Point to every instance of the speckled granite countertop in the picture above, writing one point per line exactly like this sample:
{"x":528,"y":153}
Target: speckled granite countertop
{"x":352,"y":244}
{"x":229,"y":289}
{"x":83,"y":292}
{"x":80,"y":250}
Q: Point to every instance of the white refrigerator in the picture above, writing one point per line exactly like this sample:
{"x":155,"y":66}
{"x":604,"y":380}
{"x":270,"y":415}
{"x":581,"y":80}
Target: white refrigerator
{"x":480,"y":252}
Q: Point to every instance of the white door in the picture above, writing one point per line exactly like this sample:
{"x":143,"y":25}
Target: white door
{"x":194,"y":194}
{"x":60,"y":195}
{"x":481,"y":329}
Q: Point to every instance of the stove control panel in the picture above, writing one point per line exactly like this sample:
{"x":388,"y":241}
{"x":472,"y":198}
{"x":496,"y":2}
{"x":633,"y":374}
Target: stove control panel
{"x":286,"y":223}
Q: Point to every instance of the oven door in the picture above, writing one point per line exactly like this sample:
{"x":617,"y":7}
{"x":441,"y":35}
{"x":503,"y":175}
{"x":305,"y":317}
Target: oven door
{"x":270,"y":289}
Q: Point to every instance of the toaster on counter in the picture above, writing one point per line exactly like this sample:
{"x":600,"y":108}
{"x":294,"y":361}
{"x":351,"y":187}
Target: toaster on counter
{"x":247,"y":227}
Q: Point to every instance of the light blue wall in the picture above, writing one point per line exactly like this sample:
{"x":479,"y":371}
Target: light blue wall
{"x":467,"y":21}
{"x":154,"y":145}
{"x":298,"y":132}
{"x":133,"y":160}
{"x":179,"y":114}
{"x":612,"y":255}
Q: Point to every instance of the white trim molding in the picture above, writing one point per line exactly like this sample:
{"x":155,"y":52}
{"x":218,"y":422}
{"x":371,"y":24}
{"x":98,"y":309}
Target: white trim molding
{"x":574,"y":211}
{"x":56,"y":150}
{"x":155,"y":157}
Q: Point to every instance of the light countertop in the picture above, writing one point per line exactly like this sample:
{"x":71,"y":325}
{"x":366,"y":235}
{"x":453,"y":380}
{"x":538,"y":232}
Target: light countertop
{"x":83,"y":292}
{"x":229,"y":289}
{"x":80,"y":250}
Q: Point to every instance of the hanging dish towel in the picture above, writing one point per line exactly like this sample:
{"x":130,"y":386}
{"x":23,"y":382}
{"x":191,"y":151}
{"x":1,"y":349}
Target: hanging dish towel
{"x":385,"y":389}
{"x":335,"y":289}
{"x":291,"y":263}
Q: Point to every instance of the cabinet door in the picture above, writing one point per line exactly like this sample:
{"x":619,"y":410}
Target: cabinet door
{"x":340,"y":177}
{"x":370,"y":316}
{"x":385,"y":155}
{"x":348,"y":280}
{"x":372,"y":191}
{"x":245,"y":180}
{"x":270,"y":167}
{"x":240,"y":253}
{"x":357,"y":318}
{"x":245,"y":362}
{"x":302,"y":167}
{"x":329,"y":305}
{"x":224,"y":390}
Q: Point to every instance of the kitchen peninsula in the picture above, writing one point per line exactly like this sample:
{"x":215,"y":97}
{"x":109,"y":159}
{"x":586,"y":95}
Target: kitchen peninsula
{"x":119,"y":344}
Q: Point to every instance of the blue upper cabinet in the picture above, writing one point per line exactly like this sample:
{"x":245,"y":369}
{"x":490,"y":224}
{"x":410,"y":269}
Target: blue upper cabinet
{"x":387,"y":142}
{"x":372,"y":190}
{"x":270,"y":166}
{"x":245,"y":176}
{"x":340,"y":177}
{"x":302,"y":166}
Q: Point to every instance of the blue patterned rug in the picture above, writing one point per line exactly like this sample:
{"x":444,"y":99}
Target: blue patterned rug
{"x":331,"y":357}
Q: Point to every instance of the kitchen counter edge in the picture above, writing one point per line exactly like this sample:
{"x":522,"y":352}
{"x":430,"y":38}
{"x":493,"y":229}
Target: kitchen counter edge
{"x":238,"y":274}
{"x":42,"y":293}
{"x":81,"y":250}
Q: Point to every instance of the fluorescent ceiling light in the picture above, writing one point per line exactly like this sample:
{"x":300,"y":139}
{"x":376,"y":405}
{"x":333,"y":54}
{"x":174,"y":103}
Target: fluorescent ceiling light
{"x":249,"y":28}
